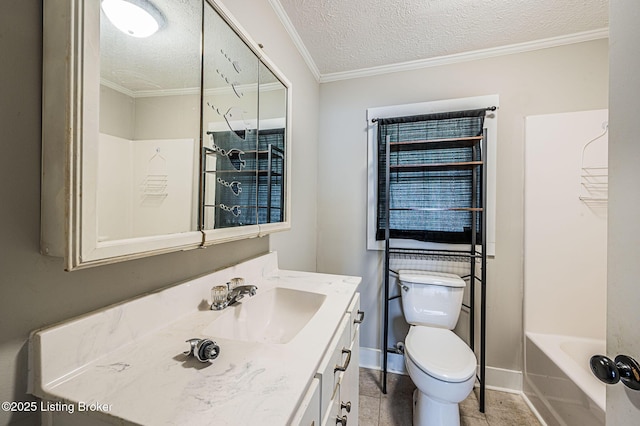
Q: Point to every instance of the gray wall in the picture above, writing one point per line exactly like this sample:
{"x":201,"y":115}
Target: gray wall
{"x":297,"y":247}
{"x":568,"y":78}
{"x":34,"y":289}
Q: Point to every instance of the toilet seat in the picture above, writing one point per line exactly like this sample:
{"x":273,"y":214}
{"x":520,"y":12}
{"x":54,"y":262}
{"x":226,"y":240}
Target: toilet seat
{"x":440,"y":353}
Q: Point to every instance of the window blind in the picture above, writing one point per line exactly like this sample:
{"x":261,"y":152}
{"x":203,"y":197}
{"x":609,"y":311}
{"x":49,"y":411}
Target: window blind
{"x":256,"y":201}
{"x":271,"y":188}
{"x":433,"y":170}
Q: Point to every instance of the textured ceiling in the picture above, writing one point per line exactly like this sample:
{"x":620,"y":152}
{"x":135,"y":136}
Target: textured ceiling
{"x":347,"y":35}
{"x":341,"y":36}
{"x":170,"y":59}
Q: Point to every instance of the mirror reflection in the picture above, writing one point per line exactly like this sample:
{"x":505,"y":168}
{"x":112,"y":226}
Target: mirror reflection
{"x":271,"y":147}
{"x":156,"y":138}
{"x":244,"y":112}
{"x":165,"y":129}
{"x":149,"y":122}
{"x":230,"y":113}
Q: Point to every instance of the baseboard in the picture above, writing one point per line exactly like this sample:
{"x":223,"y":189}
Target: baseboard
{"x":504,"y":380}
{"x":496,"y":378}
{"x":372,"y":358}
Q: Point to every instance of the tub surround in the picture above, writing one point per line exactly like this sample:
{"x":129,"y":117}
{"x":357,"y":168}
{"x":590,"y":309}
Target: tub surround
{"x":565,"y":260}
{"x":558,"y":381}
{"x":128,"y":360}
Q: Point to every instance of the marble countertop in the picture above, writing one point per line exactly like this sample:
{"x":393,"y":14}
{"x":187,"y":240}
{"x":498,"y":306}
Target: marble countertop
{"x":128,"y":359}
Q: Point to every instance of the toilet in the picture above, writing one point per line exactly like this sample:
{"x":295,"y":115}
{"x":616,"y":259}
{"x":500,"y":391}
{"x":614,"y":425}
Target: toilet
{"x":440,"y":364}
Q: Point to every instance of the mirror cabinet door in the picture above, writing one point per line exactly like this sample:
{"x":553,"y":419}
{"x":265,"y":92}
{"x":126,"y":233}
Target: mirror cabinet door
{"x":229,"y":120}
{"x":272,"y":147}
{"x":149,"y":126}
{"x":159,"y":143}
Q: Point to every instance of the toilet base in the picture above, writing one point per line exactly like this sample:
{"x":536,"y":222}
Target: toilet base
{"x":429,"y":412}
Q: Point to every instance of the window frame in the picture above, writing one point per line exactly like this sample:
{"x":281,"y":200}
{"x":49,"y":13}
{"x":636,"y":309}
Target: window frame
{"x":448,"y":105}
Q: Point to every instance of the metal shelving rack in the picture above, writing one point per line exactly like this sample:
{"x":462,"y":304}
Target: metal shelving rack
{"x":473,"y":256}
{"x":269,"y":175}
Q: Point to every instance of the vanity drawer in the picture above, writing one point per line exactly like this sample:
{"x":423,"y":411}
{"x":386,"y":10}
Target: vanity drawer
{"x":334,"y":409}
{"x":337,"y":355}
{"x":349,"y":384}
{"x":356,"y":315}
{"x":308,"y":413}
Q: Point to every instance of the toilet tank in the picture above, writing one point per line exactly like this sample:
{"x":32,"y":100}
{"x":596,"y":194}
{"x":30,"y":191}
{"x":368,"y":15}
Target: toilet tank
{"x":431,"y":298}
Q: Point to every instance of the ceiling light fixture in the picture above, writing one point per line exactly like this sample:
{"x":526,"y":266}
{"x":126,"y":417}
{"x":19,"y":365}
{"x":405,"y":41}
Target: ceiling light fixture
{"x":137,"y":18}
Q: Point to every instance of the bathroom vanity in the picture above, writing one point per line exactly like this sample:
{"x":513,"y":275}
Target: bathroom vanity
{"x":288,"y":355}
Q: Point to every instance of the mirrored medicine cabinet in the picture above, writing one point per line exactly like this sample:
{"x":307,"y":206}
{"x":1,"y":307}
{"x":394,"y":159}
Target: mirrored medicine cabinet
{"x":152,"y":144}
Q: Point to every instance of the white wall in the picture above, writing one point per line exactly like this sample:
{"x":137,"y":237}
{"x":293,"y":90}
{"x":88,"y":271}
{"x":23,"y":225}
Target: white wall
{"x":568,"y":78}
{"x":113,"y":194}
{"x":34,"y":289}
{"x":565,"y":238}
{"x":142,"y":119}
{"x":145,"y":187}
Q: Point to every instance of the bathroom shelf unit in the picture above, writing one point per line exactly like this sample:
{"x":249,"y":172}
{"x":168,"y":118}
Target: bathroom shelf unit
{"x":473,"y":253}
{"x":594,"y":178}
{"x":266,"y":174}
{"x":271,"y":181}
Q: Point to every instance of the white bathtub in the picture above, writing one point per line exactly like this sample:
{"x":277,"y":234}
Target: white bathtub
{"x":559,"y":382}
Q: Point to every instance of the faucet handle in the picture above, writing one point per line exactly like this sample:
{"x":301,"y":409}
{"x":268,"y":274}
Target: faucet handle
{"x":203,"y":349}
{"x":235,"y":282}
{"x":219,"y":296}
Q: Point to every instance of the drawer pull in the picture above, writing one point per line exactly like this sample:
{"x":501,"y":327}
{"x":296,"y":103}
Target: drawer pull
{"x":341,"y":420}
{"x":346,"y":363}
{"x":346,"y":406}
{"x":360,"y":318}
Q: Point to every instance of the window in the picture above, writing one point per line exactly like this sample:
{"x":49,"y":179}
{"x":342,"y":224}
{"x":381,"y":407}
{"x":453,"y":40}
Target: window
{"x":432,"y":189}
{"x":433,"y":179}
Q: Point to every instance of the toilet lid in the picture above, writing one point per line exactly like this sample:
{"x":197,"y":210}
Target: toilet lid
{"x":440,"y":353}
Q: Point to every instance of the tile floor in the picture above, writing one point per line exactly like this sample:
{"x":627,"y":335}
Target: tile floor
{"x":395,"y":408}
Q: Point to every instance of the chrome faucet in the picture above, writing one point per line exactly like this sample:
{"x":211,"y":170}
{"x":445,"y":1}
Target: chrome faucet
{"x":225,"y":295}
{"x":239,"y":292}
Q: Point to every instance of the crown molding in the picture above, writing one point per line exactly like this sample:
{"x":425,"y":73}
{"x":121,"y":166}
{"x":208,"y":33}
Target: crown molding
{"x":115,"y":86}
{"x":468,"y":56}
{"x":248,"y":88}
{"x":295,"y":37}
{"x":149,"y":93}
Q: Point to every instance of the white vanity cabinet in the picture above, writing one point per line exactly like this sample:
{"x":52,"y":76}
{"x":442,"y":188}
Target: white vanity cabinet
{"x":337,"y":379}
{"x":350,"y":381}
{"x":343,"y":407}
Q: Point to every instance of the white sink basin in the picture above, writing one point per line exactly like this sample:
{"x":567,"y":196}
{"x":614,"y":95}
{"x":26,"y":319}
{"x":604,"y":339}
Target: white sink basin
{"x":274,"y":316}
